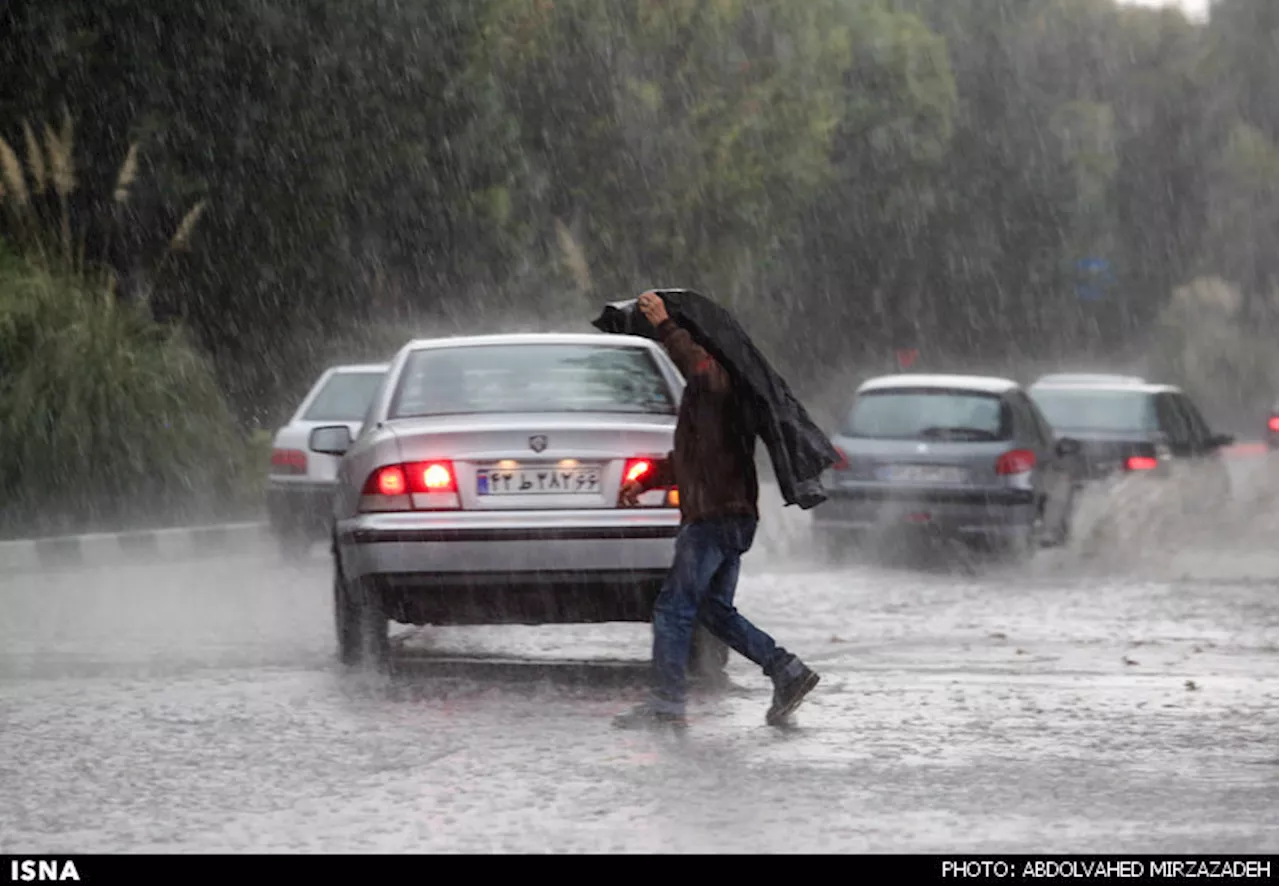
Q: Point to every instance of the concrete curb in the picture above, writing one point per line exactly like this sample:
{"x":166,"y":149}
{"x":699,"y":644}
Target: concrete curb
{"x":115,"y":548}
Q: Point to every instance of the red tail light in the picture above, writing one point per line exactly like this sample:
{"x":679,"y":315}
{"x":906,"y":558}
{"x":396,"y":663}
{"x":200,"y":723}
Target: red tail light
{"x":638,"y":469}
{"x":843,"y":463}
{"x":1274,"y":422}
{"x":427,"y":477}
{"x":288,"y":461}
{"x":1141,"y":463}
{"x":388,"y":481}
{"x":417,"y":486}
{"x":1016,"y":461}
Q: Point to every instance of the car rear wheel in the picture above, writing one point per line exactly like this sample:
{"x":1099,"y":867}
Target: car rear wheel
{"x":361,"y":625}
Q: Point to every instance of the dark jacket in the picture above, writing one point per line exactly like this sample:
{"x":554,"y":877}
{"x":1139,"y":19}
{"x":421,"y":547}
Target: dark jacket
{"x":798,"y":449}
{"x":713,"y":462}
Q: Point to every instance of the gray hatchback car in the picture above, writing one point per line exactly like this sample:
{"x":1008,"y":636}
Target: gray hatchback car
{"x":969,"y":457}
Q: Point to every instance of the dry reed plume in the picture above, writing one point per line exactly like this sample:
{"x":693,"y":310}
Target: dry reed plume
{"x":53,"y":165}
{"x":181,"y":237}
{"x":62,"y":170}
{"x":35,"y":159}
{"x":128,"y":171}
{"x":11,"y":169}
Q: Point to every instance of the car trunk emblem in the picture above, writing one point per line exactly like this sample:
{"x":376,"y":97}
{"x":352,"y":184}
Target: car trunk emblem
{"x":538,"y":442}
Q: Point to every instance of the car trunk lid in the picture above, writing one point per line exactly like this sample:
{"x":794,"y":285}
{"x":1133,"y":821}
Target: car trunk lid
{"x":535,"y":461}
{"x":922,"y":463}
{"x":296,"y":437}
{"x":1106,"y":452}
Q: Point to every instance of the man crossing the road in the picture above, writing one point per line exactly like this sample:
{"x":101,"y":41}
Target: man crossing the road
{"x":713,"y":465}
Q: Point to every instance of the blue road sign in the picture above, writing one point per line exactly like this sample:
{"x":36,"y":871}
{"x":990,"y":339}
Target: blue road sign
{"x":1093,"y":278}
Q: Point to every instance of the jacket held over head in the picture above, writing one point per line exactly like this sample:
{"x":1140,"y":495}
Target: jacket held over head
{"x":798,"y":450}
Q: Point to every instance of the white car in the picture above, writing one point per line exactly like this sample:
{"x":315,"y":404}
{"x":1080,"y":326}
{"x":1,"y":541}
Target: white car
{"x":484,"y":489}
{"x":300,"y":483}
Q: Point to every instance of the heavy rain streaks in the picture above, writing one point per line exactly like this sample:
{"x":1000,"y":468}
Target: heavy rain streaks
{"x":206,"y":207}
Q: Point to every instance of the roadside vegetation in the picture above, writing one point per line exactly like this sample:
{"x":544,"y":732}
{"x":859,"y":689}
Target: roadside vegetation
{"x":107,"y":417}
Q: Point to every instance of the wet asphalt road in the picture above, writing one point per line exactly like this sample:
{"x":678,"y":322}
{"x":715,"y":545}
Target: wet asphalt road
{"x":1119,"y":700}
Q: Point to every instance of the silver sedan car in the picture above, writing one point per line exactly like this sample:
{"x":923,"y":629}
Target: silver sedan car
{"x":483,"y":488}
{"x":963,"y":456}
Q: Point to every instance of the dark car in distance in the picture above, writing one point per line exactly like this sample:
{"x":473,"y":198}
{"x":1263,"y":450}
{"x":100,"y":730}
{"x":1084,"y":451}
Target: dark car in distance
{"x":1128,"y":426}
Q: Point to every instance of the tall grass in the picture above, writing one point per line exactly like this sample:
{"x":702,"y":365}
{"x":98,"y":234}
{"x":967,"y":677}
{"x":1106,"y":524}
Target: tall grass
{"x":106,"y":416}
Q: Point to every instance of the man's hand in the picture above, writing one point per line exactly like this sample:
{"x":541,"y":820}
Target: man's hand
{"x":653,"y":308}
{"x":629,"y":495}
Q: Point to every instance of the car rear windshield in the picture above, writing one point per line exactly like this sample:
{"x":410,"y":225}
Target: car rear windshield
{"x":929,"y":413}
{"x":531,"y":378}
{"x":1089,"y":409}
{"x":344,"y":397}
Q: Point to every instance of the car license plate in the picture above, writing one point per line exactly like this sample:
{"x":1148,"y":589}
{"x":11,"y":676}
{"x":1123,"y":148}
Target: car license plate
{"x":550,"y":480}
{"x":922,"y":474}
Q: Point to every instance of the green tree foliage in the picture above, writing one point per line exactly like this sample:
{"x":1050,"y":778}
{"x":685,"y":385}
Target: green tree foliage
{"x":855,"y":256}
{"x":105,"y":416}
{"x":672,"y":139}
{"x":1240,"y":202}
{"x":1206,"y":336}
{"x":340,"y":144}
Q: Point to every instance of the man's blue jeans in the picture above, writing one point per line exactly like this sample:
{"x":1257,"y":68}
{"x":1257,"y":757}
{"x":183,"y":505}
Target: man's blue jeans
{"x":700,"y":587}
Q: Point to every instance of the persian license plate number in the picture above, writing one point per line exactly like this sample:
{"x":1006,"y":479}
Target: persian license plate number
{"x":538,"y":481}
{"x":922,"y":474}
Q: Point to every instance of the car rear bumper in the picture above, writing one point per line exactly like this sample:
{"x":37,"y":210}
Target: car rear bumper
{"x":1103,"y":471}
{"x":452,"y":598}
{"x":512,"y":568}
{"x":959,"y":512}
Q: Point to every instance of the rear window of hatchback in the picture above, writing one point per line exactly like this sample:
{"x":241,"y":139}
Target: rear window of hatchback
{"x":929,"y":414}
{"x":1093,"y":409}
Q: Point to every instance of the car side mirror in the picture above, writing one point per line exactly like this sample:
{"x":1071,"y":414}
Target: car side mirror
{"x":1219,"y":440}
{"x":1068,"y":446}
{"x":330,"y":440}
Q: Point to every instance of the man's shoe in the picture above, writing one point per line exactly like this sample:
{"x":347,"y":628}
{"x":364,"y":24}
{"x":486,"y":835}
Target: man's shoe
{"x":793,"y":682}
{"x":645,"y":716}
